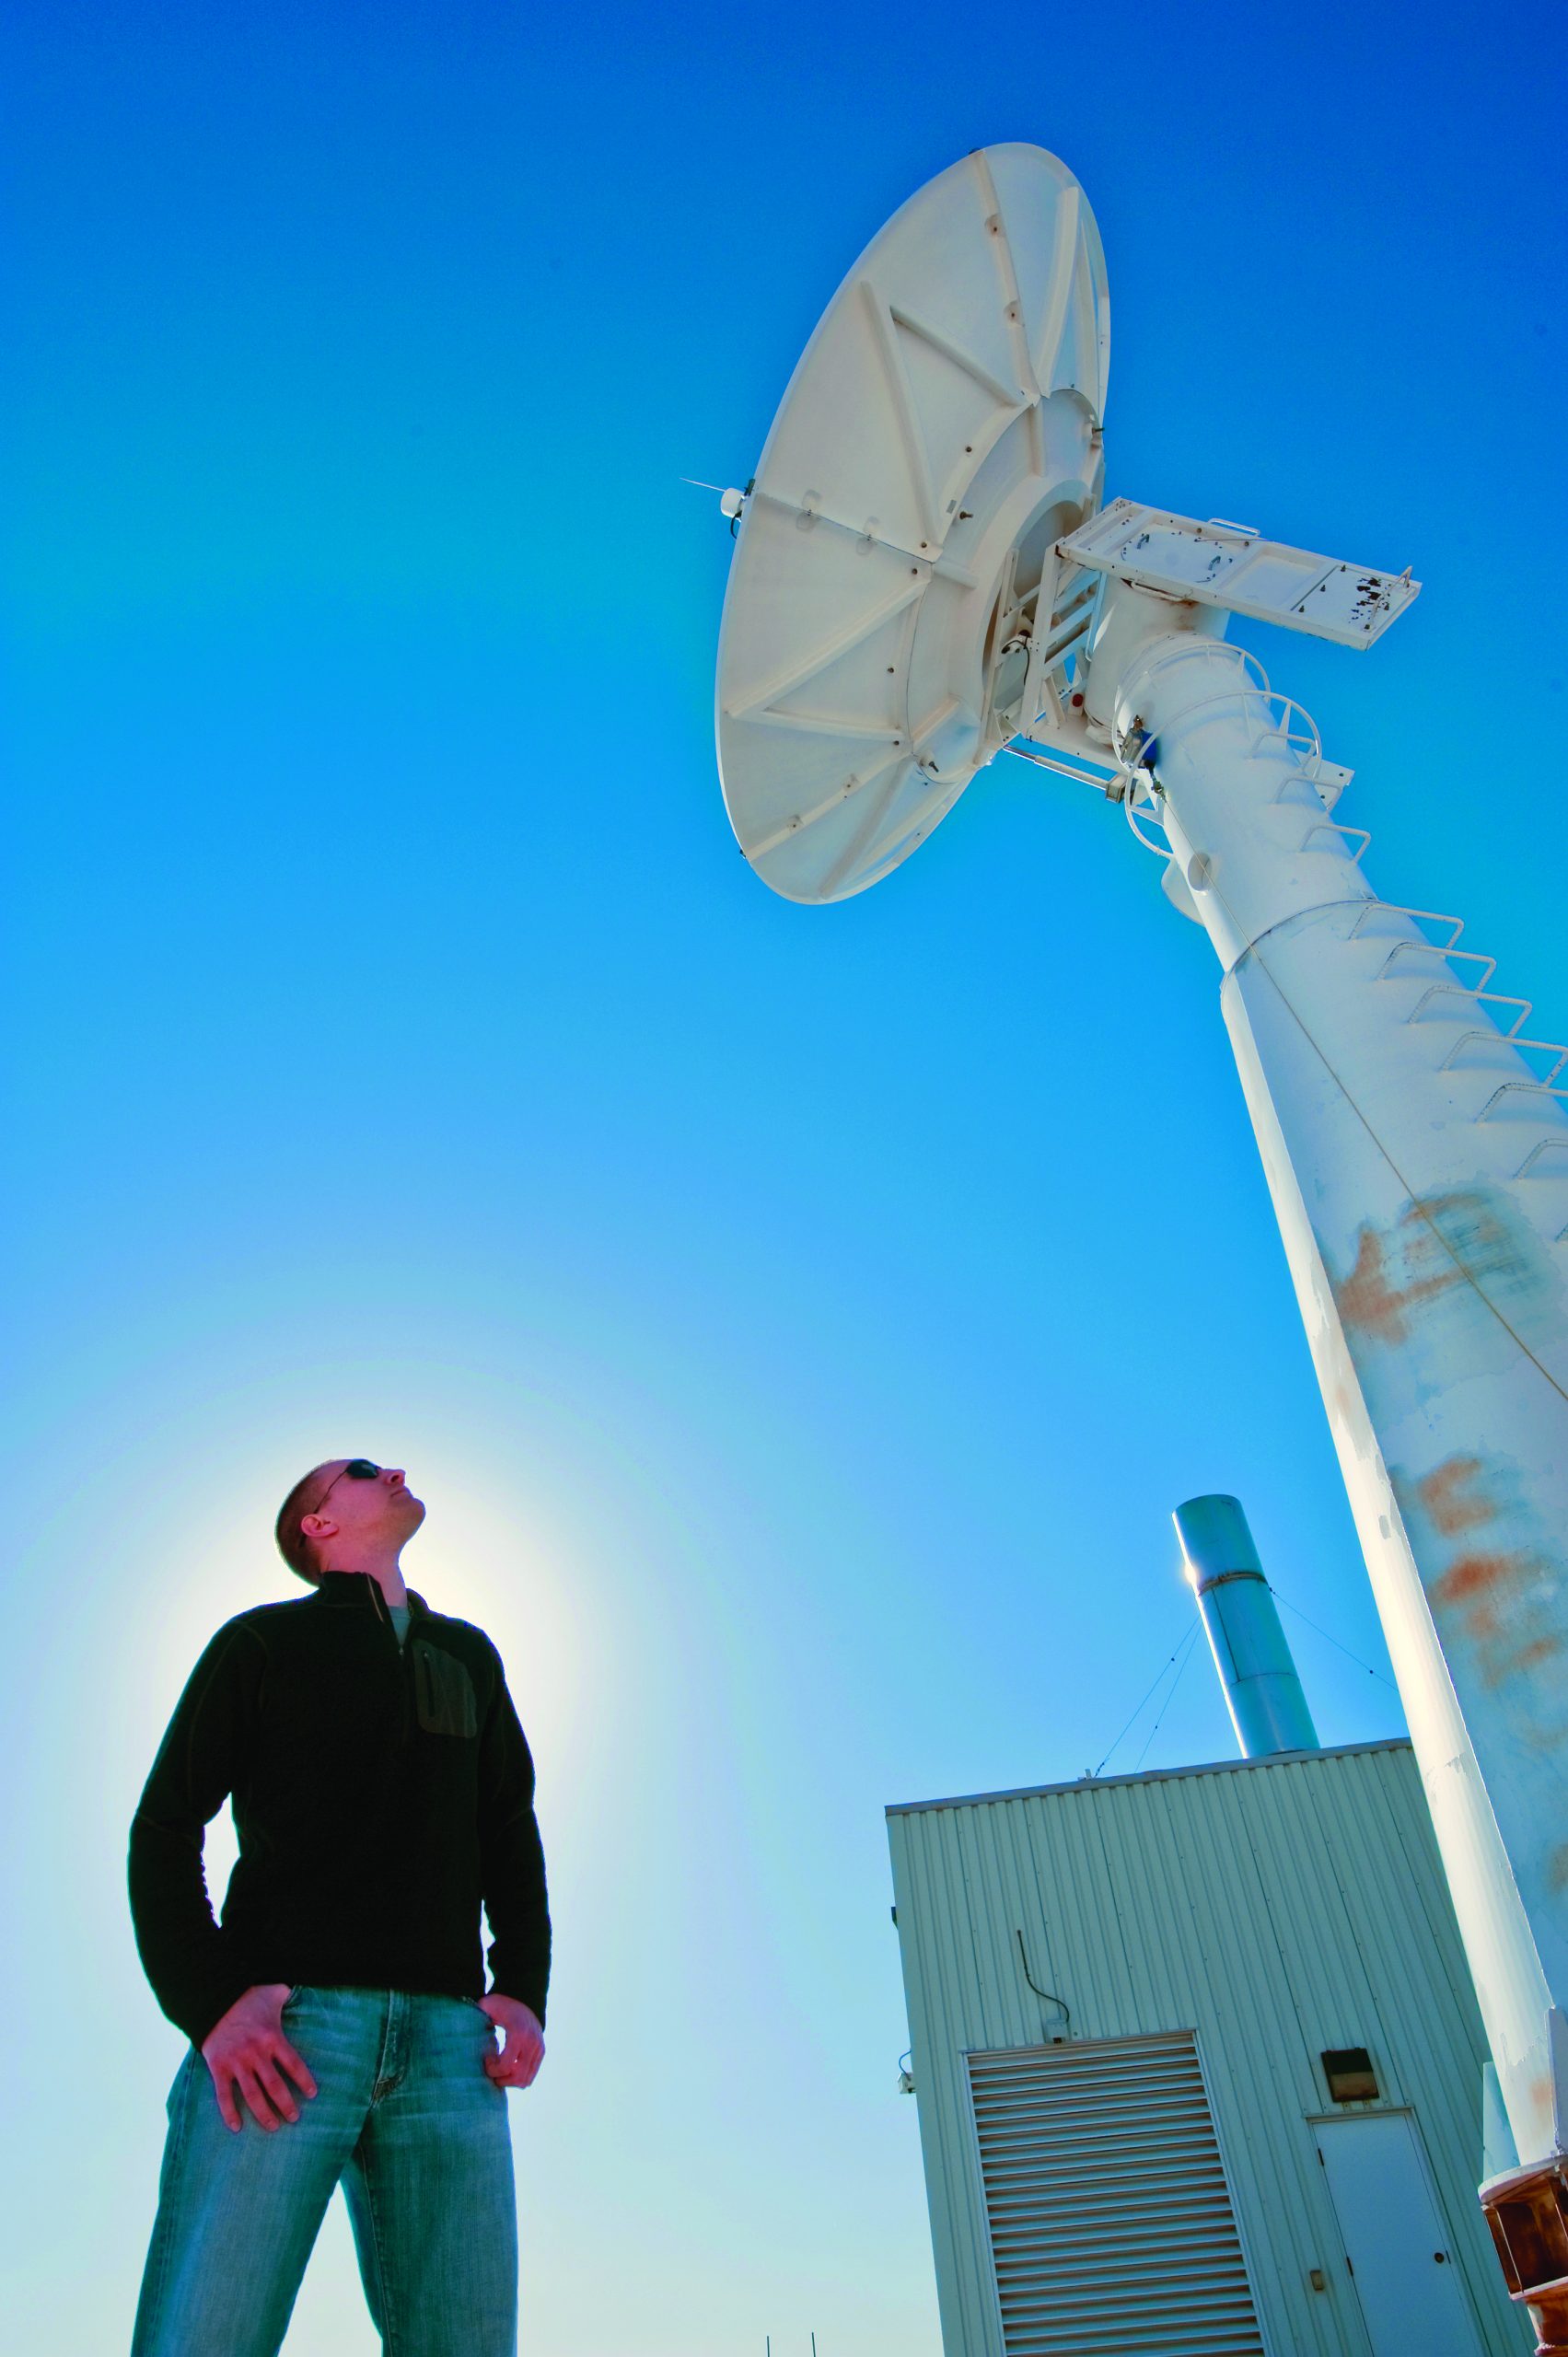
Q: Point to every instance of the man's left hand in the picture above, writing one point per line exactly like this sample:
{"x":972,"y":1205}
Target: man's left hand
{"x":518,"y":2063}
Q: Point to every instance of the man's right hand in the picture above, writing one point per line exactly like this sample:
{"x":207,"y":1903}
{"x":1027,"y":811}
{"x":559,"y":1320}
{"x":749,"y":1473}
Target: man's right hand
{"x":246,"y":2049}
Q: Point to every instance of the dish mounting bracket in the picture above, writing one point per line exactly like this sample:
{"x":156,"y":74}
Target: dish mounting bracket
{"x":1228,"y":565}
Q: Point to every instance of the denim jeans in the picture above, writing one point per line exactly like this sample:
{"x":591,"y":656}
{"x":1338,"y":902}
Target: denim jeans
{"x":406,"y":2120}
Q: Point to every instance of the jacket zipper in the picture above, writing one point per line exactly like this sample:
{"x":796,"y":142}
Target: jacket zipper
{"x":405,"y":1658}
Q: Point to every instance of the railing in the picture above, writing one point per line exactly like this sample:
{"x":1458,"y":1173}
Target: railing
{"x":1136,"y":785}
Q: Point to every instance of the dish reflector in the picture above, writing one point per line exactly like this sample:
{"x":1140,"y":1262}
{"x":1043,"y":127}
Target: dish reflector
{"x":896,"y":606}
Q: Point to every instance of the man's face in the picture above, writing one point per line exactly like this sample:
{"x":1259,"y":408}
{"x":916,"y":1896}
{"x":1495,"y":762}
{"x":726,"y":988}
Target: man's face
{"x":376,"y":1511}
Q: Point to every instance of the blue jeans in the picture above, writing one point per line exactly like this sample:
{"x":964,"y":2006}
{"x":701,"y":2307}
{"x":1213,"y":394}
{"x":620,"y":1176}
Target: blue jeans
{"x":407,"y":2120}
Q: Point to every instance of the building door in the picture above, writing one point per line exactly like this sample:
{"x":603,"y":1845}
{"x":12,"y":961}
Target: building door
{"x":1411,"y":2292}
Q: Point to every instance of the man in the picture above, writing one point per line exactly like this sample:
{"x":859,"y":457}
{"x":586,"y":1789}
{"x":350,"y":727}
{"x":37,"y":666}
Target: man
{"x":339,"y":2028}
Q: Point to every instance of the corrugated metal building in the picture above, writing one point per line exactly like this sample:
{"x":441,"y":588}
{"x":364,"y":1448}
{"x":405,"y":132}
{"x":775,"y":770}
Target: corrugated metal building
{"x":1125,"y":1998}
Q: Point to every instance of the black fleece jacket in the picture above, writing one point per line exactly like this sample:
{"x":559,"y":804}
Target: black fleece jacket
{"x":381,"y":1798}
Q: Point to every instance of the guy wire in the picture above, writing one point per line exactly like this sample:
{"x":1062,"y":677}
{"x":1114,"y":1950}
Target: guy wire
{"x":1366,"y":1666}
{"x":1185,"y":1638}
{"x":1191,"y":1642}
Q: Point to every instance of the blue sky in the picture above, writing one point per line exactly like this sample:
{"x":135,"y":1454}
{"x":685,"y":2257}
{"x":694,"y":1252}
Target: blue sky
{"x":802,"y":1324}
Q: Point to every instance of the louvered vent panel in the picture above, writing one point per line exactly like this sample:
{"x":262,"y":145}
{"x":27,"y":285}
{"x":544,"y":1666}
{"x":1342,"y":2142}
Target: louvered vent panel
{"x":1110,"y":2220}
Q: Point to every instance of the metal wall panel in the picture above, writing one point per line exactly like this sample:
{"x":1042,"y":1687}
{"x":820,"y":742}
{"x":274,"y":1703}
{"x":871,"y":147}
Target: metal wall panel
{"x":1273,"y":1908}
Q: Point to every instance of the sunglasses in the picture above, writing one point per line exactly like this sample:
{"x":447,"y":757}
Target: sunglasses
{"x":358,"y":1469}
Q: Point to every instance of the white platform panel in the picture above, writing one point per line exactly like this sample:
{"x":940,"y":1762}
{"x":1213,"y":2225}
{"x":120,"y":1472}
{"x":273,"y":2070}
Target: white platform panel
{"x":1231,"y":565}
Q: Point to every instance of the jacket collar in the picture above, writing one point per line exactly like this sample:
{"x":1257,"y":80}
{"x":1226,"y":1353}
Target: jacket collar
{"x":352,"y":1590}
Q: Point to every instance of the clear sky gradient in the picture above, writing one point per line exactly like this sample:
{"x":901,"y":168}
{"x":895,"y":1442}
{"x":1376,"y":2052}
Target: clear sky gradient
{"x":802,"y":1324}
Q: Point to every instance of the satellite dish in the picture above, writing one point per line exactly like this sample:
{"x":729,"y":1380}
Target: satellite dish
{"x":922,"y":559}
{"x":896,"y":608}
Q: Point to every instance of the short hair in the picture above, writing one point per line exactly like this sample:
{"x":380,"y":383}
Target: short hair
{"x":298,"y":1551}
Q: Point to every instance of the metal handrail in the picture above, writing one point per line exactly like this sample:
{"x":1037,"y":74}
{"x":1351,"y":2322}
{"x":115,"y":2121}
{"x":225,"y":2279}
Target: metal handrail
{"x":1519,"y":1088}
{"x":1332,"y":827}
{"x":1140,"y":797}
{"x":1511,"y":1039}
{"x":1542,"y":1145}
{"x":1478,"y":998}
{"x":1136,"y":780}
{"x":1437,"y":950}
{"x":1245,"y":658}
{"x":1312,"y":737}
{"x":1425,"y":916}
{"x":1206,"y":704}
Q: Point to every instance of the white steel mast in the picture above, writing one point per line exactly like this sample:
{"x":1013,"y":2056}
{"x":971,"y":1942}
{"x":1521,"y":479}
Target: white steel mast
{"x":1417,"y":1156}
{"x":1416,"y":1148}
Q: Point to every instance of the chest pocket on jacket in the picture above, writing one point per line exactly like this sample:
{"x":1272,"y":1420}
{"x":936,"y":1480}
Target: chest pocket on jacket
{"x":442,"y":1692}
